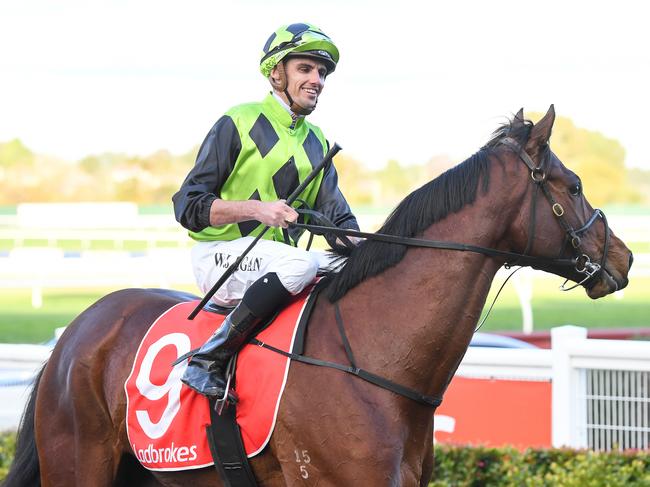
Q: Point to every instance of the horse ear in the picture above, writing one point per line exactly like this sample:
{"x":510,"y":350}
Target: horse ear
{"x":519,"y":117}
{"x":541,"y":132}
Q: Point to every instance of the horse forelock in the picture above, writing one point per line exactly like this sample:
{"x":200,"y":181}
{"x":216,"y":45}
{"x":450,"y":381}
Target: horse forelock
{"x":515,"y":129}
{"x":446,"y":194}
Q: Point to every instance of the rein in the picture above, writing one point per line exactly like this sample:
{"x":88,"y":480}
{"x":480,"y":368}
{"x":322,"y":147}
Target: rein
{"x":436,"y":244}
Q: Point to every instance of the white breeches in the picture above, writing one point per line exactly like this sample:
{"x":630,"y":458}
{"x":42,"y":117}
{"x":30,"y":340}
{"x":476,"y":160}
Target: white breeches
{"x":295,"y":267}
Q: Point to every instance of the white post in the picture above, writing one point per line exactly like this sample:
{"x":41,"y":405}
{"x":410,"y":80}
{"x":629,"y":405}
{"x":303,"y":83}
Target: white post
{"x":568,"y":389}
{"x":443,"y":423}
{"x":37,"y":295}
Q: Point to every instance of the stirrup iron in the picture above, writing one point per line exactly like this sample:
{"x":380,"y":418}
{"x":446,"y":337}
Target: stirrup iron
{"x":223,"y":401}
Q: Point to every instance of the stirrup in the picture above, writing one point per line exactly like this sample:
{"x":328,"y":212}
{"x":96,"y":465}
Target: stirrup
{"x":229,"y":397}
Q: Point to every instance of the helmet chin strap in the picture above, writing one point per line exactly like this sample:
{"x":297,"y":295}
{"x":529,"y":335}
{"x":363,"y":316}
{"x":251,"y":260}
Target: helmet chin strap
{"x":281,"y":85}
{"x":296,"y":108}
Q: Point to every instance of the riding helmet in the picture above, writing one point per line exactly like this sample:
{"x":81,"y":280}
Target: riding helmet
{"x":298,"y":39}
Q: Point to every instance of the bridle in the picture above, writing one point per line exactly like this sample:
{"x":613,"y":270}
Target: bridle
{"x":583,"y":263}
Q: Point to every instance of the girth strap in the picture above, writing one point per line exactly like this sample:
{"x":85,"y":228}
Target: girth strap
{"x":412,"y":394}
{"x":227,"y":447}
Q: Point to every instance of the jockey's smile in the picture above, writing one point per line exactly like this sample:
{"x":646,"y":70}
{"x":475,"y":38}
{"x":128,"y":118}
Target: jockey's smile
{"x":305,"y":80}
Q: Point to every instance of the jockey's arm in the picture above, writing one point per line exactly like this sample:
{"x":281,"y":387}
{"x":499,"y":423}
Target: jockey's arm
{"x":272,"y":213}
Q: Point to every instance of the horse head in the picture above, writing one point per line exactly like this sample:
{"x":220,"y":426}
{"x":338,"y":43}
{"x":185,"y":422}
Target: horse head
{"x":555,"y":220}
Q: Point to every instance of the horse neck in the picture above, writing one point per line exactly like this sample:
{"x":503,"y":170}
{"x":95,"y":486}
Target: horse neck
{"x":419,"y":315}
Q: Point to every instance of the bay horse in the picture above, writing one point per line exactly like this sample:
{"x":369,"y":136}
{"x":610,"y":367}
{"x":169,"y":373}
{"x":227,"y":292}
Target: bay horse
{"x":409,"y":314}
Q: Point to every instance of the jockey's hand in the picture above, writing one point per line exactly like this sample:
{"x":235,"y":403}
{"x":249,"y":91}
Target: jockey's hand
{"x":354,"y":240}
{"x":276,"y":213}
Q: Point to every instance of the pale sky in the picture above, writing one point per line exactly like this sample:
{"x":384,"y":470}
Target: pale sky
{"x":415,"y":79}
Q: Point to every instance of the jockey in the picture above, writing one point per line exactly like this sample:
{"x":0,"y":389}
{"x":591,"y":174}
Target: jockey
{"x":250,"y":161}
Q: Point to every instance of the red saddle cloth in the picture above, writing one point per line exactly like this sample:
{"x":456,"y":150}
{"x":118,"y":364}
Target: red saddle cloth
{"x":166,"y":420}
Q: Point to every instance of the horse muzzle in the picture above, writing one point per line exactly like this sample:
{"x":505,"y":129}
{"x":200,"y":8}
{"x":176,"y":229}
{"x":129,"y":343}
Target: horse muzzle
{"x":606,"y":281}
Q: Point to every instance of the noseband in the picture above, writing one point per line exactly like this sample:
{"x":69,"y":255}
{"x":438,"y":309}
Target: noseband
{"x":583,"y":263}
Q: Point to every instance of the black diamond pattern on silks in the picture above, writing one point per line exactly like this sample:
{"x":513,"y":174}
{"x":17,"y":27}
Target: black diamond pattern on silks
{"x":263,"y":135}
{"x":248,"y":226}
{"x":313,"y":149}
{"x":295,"y":28}
{"x":269,"y":42}
{"x":286,"y":179}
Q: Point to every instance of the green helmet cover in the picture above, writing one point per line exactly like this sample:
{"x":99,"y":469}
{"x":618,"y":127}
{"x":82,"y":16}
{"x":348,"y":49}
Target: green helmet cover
{"x":295,"y":39}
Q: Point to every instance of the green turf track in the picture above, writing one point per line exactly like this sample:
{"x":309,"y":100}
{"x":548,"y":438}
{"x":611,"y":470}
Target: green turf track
{"x":21,"y":323}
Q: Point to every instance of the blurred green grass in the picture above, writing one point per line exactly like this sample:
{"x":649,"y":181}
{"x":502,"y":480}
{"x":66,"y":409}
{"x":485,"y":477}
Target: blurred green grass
{"x":21,"y":323}
{"x":629,"y":308}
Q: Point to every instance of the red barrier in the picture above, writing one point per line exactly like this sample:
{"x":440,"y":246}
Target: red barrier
{"x":542,"y":339}
{"x":495,"y":412}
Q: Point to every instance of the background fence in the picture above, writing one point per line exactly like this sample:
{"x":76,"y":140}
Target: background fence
{"x":582,"y":393}
{"x":600,"y":391}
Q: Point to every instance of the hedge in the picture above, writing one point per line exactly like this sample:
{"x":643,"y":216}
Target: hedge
{"x":7,"y":449}
{"x":501,"y":467}
{"x":504,"y":467}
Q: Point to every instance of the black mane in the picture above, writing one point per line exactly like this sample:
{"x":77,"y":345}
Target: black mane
{"x":446,"y":194}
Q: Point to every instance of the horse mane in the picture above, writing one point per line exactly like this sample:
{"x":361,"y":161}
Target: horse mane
{"x":448,"y":193}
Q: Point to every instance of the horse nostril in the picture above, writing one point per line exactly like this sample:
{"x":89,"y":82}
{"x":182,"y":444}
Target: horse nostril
{"x":631,"y":260}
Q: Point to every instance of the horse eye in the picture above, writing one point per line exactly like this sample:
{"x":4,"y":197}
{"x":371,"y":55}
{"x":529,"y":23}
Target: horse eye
{"x":575,"y":190}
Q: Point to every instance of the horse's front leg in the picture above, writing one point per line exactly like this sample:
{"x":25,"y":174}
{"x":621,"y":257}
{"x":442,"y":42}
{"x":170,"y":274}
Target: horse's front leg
{"x":333,"y":432}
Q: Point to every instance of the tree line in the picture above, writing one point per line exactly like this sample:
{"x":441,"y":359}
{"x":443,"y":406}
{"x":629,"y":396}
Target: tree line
{"x":26,"y":176}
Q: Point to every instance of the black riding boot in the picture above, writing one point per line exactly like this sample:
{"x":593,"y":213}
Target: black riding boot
{"x":206,"y":370}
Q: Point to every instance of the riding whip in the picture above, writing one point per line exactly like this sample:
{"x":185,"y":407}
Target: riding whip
{"x":290,"y":199}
